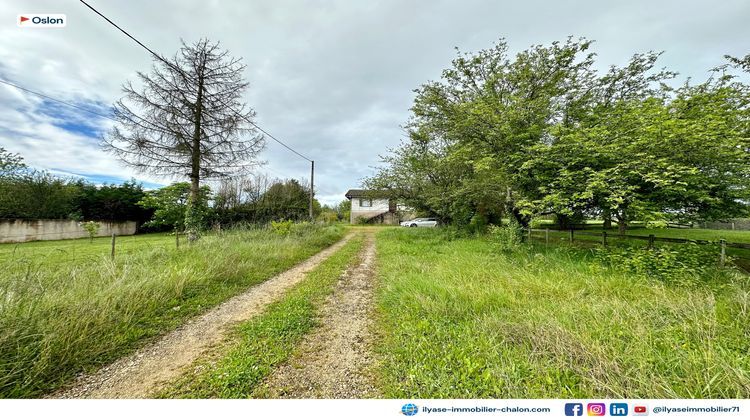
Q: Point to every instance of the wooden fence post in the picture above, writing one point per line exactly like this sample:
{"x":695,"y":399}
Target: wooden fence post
{"x":604,"y":238}
{"x":571,"y":235}
{"x":112,"y":252}
{"x":650,"y":241}
{"x":723,"y":252}
{"x":546,"y":237}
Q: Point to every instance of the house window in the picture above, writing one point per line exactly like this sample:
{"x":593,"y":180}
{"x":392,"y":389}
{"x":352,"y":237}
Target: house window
{"x":365,"y":202}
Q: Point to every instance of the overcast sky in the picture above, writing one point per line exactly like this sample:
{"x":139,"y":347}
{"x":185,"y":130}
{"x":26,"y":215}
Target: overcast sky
{"x":333,"y":79}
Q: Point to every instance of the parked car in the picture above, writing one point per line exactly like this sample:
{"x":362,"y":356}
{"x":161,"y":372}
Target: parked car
{"x":420,"y":222}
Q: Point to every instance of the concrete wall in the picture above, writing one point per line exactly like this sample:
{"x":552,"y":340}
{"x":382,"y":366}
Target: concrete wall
{"x":22,"y":230}
{"x":732,"y":224}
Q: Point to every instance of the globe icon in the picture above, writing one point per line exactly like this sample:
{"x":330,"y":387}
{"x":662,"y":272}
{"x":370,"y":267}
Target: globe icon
{"x":409,"y":409}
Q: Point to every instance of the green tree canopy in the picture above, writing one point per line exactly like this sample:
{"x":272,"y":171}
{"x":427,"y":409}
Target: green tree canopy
{"x":543,"y":132}
{"x":170,"y":203}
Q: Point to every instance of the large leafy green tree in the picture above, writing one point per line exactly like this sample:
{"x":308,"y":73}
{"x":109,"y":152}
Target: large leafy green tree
{"x":286,"y":200}
{"x":472,"y":131}
{"x":543,"y":133}
{"x":170,"y":203}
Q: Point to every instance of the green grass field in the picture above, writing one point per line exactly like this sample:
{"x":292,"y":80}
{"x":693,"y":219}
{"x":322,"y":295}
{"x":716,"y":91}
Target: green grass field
{"x":741,"y":236}
{"x":85,"y":250}
{"x":66,"y":307}
{"x":266,"y":341}
{"x":585,"y":237}
{"x":459,"y":319}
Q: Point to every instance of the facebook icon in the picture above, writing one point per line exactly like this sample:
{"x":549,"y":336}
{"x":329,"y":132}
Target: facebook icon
{"x":573,"y":409}
{"x":618,"y":409}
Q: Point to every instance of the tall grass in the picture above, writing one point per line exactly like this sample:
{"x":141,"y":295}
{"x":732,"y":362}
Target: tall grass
{"x":462,"y":320}
{"x":60,"y":318}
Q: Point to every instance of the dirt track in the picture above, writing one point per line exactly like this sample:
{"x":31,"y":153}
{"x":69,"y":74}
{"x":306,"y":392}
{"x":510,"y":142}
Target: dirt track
{"x":332,"y":361}
{"x":139,"y":374}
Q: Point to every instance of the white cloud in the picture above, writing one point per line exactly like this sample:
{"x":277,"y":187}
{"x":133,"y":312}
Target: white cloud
{"x":334,"y":79}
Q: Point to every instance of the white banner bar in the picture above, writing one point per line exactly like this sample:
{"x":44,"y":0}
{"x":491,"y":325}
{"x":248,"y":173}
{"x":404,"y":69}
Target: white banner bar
{"x":368,"y":409}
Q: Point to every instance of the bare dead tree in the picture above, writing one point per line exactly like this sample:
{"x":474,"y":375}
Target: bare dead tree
{"x":187,"y":120}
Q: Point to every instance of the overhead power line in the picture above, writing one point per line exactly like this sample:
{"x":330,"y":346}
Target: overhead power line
{"x":167,"y":62}
{"x":277,"y":140}
{"x":122,"y":30}
{"x":33,"y":92}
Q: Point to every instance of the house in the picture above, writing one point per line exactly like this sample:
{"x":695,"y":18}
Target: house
{"x":372,"y":207}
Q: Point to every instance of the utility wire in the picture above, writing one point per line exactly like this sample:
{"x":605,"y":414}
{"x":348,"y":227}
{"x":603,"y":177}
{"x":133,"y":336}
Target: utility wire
{"x":123,"y":31}
{"x":180,"y":71}
{"x":56,"y":100}
{"x":277,"y":140}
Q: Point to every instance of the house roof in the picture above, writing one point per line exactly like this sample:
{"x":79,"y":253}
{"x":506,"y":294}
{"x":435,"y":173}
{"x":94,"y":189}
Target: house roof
{"x":364,"y":193}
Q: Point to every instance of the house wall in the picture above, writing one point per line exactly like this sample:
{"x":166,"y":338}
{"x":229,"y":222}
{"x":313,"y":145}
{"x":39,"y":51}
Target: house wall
{"x":379,"y":206}
{"x":23,"y":230}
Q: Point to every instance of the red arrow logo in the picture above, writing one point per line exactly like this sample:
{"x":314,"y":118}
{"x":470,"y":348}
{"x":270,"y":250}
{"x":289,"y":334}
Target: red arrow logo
{"x":24,"y":19}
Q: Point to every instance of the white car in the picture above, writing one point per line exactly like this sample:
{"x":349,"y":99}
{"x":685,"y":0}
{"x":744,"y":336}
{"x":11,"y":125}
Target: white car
{"x":420,"y":222}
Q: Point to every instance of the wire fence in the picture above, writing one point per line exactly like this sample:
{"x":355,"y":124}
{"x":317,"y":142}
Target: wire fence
{"x":733,"y":224}
{"x":85,"y":251}
{"x":605,"y":239}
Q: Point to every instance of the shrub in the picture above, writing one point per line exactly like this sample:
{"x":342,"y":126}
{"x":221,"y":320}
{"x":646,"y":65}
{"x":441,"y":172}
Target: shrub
{"x":91,"y":227}
{"x":679,"y":263}
{"x":478,"y":224}
{"x":507,"y":237}
{"x":282,"y":227}
{"x":361,"y":220}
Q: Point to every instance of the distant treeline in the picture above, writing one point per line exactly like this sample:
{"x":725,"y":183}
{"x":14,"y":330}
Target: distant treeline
{"x":26,"y":193}
{"x":40,"y":195}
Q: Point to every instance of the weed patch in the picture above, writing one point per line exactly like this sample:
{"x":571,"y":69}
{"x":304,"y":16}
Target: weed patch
{"x":59,"y":319}
{"x":459,"y":319}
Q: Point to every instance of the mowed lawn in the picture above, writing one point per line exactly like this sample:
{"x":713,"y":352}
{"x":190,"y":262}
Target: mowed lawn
{"x":66,"y":307}
{"x":460,"y":319}
{"x":742,"y":236}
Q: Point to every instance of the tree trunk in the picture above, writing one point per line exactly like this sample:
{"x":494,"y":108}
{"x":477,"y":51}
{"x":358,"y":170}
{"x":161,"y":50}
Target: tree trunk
{"x":607,"y":215}
{"x":622,"y":222}
{"x":621,"y":226}
{"x":523,"y":221}
{"x":192,"y":218}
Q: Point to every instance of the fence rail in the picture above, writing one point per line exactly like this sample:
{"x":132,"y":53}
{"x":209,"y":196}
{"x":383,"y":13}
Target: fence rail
{"x":651,"y":238}
{"x":736,"y":224}
{"x":603,"y":237}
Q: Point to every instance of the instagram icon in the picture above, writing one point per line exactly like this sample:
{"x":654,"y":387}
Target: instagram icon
{"x":596,"y":409}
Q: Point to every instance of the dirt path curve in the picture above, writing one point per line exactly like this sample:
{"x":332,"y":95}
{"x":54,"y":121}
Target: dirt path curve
{"x":332,"y":361}
{"x":138,"y":375}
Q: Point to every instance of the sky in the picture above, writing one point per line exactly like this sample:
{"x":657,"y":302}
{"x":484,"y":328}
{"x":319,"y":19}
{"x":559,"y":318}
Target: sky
{"x":333,"y":79}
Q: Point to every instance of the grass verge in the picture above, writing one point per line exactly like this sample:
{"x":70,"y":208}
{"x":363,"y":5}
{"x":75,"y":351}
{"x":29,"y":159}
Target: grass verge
{"x":267,"y":340}
{"x":60,"y":318}
{"x":461,"y":320}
